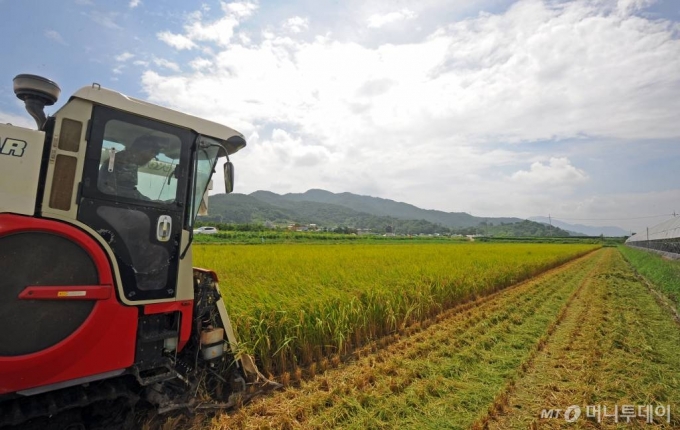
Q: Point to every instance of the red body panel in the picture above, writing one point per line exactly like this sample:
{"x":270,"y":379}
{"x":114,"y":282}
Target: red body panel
{"x":185,"y":307}
{"x":105,"y":341}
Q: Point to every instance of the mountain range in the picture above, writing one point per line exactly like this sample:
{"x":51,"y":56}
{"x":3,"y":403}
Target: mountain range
{"x":379,"y":207}
{"x":609,"y":231}
{"x":333,"y":210}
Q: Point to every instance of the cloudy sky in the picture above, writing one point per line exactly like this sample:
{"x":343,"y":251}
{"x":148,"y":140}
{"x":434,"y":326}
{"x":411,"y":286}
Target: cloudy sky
{"x":491,"y":107}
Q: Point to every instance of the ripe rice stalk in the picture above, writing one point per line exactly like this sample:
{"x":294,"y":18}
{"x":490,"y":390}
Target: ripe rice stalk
{"x":297,"y":304}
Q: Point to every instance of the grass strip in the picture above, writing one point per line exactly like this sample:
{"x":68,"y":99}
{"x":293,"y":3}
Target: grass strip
{"x":662,"y":272}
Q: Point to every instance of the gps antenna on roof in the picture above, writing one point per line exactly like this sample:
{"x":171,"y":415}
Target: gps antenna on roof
{"x":36,"y":92}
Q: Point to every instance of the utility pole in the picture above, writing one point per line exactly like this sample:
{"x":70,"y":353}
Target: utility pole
{"x":647,"y":237}
{"x":550,"y":221}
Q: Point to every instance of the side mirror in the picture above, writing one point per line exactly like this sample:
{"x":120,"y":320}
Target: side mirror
{"x":228,"y":177}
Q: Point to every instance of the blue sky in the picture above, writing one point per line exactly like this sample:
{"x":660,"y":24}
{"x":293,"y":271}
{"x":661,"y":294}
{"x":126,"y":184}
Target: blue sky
{"x":492,"y":107}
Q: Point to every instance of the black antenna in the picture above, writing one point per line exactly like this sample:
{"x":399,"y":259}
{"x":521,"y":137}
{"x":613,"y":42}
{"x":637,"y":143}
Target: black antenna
{"x":36,"y":92}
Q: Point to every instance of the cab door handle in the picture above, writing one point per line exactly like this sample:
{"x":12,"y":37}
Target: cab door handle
{"x":163,"y":228}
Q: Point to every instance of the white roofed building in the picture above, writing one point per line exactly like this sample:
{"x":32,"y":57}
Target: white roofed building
{"x":663,"y":237}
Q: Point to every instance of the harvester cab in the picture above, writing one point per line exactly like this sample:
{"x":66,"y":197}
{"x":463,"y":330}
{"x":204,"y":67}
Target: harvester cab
{"x":99,"y":298}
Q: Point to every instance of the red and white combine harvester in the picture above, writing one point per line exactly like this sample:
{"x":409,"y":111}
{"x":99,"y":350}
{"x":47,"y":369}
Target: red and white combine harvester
{"x":100,"y":304}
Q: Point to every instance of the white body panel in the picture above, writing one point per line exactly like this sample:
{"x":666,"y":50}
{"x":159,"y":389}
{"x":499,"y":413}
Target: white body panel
{"x":20,"y":155}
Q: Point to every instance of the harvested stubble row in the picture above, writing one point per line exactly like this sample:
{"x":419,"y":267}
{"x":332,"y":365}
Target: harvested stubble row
{"x":294,"y":305}
{"x":615,"y":346}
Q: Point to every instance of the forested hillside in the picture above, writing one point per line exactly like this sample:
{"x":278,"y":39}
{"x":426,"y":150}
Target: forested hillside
{"x":315,"y":207}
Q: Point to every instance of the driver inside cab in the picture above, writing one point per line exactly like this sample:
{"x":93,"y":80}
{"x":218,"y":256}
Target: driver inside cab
{"x":118,"y":174}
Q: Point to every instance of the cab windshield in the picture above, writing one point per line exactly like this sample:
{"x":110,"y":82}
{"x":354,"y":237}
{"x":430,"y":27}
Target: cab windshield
{"x":208,"y":150}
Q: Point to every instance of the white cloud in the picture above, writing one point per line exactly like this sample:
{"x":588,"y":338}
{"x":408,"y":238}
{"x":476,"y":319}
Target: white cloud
{"x":200,"y":29}
{"x":162,"y":62}
{"x":558,"y":171}
{"x":200,"y":63}
{"x":536,"y":72}
{"x":124,"y":57}
{"x":240,"y":9}
{"x":630,"y":6}
{"x":55,"y":36}
{"x":177,"y":41}
{"x":293,"y":151}
{"x":134,"y":3}
{"x":296,"y":24}
{"x":107,"y":20}
{"x":378,"y":20}
{"x":244,"y":39}
{"x":219,"y":31}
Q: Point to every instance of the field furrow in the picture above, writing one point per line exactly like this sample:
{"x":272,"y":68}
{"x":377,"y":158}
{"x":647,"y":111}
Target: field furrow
{"x":444,"y":376}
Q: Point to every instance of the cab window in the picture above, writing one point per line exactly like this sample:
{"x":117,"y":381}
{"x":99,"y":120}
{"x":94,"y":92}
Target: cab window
{"x":138,"y":162}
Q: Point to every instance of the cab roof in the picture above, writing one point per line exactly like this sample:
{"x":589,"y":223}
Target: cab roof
{"x":232,"y":139}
